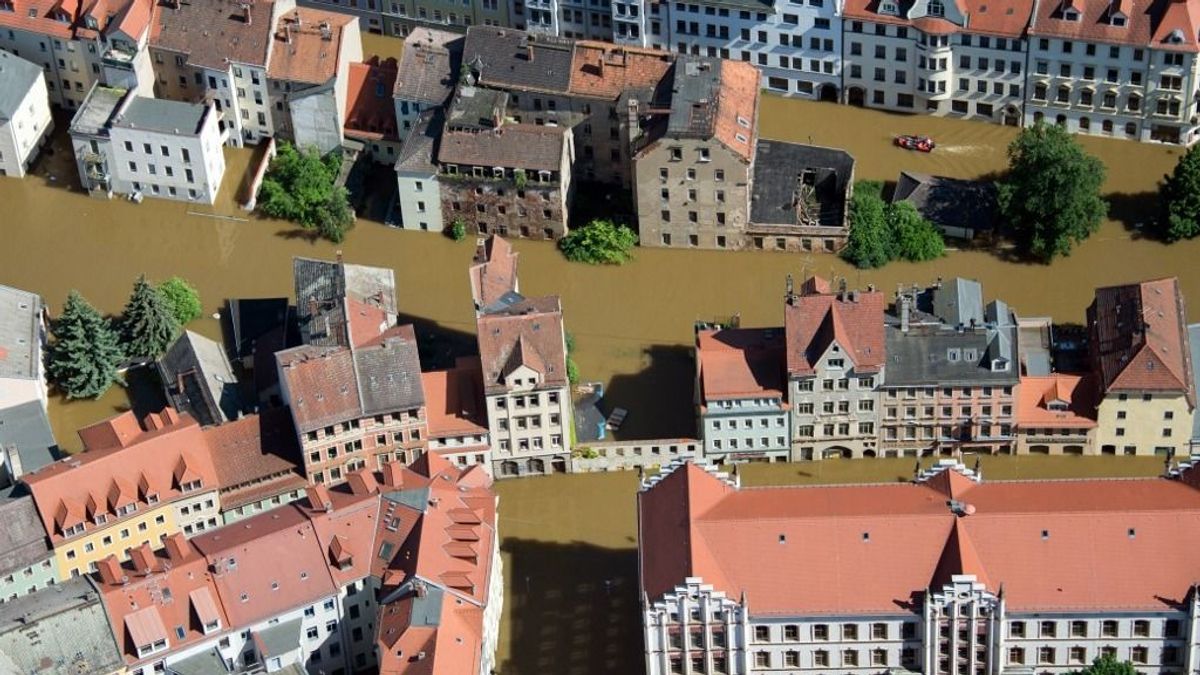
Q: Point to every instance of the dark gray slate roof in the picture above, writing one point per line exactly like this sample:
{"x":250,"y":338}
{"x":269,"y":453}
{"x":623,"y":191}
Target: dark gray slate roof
{"x":958,"y":302}
{"x":779,"y":170}
{"x":59,"y":629}
{"x":513,"y":59}
{"x":934,"y":356}
{"x":428,"y":66}
{"x":156,"y":114}
{"x":476,"y":109}
{"x":697,"y":80}
{"x":17,"y":77}
{"x":198,"y":379}
{"x":949,"y":202}
{"x":389,"y":375}
{"x":26,"y":428}
{"x":23,"y":537}
{"x":20,"y":333}
{"x":320,"y":288}
{"x":420,"y":146}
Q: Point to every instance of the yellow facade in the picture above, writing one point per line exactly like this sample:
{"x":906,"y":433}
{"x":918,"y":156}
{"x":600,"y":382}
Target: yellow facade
{"x":1136,"y":423}
{"x":75,"y":555}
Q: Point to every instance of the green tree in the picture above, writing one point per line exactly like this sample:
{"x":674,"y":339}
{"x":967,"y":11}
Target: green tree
{"x":458,"y":230}
{"x":1180,"y":199}
{"x":572,"y":368}
{"x":85,"y":354}
{"x":870,"y":242}
{"x":600,"y":242}
{"x":913,"y":237}
{"x":148,"y":324}
{"x":1107,"y":665}
{"x":182,"y":298}
{"x":1051,"y":194}
{"x":299,"y":187}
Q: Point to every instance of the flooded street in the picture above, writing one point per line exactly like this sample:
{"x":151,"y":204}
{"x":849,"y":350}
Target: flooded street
{"x":632,"y":324}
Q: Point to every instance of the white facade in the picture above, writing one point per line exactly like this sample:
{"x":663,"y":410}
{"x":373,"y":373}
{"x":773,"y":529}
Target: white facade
{"x":835,"y":411}
{"x":744,"y":428}
{"x":464,"y":450}
{"x":24,"y":114}
{"x":529,"y":425}
{"x":197,"y":513}
{"x":419,"y":201}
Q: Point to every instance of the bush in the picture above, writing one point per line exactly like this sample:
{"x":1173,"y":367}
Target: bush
{"x":1180,"y":199}
{"x":182,"y":298}
{"x":458,"y":230}
{"x":882,"y":232}
{"x":600,"y":242}
{"x":299,"y":187}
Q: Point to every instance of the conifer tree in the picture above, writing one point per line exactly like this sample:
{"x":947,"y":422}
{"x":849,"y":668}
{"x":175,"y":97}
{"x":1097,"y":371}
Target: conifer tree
{"x":148,"y":325}
{"x":85,"y":354}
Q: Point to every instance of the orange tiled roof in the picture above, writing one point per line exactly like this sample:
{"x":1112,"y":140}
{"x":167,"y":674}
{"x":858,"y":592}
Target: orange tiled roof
{"x":1053,"y":545}
{"x":1037,"y":396}
{"x":370,"y":111}
{"x":154,"y":463}
{"x":454,"y":400}
{"x":1138,"y":340}
{"x":737,"y":108}
{"x":741,"y":363}
{"x":493,"y":272}
{"x":603,"y":70}
{"x":1093,"y":22}
{"x":816,"y":318}
{"x":300,"y":52}
{"x":528,"y":333}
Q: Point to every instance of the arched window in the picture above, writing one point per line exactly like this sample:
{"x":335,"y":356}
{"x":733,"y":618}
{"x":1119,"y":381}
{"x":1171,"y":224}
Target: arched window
{"x":1085,"y":124}
{"x":1064,"y":94}
{"x":1061,"y":120}
{"x":1106,"y":126}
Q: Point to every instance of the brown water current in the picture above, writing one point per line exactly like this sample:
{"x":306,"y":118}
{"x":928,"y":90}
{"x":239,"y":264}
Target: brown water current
{"x":633,"y":324}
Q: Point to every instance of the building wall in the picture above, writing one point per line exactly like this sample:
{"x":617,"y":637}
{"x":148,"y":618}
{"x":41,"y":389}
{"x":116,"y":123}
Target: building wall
{"x":627,"y":455}
{"x":232,"y":515}
{"x":79,"y":554}
{"x":529,"y":429}
{"x":720,"y":624}
{"x":536,"y":211}
{"x":1143,"y":423}
{"x":1038,"y":439}
{"x":698,"y":195}
{"x":156,"y":174}
{"x":420,"y":202}
{"x":464,"y":450}
{"x":836,"y":411}
{"x":24,"y":134}
{"x":71,"y":66}
{"x":197,"y":513}
{"x":17,"y":390}
{"x":1052,"y":66}
{"x":746,"y":429}
{"x":26,"y":580}
{"x":971,"y":417}
{"x":330,"y":454}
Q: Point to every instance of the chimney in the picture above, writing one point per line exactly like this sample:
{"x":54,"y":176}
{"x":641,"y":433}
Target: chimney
{"x":529,"y":52}
{"x":142,"y":558}
{"x":904,"y":312}
{"x":419,"y":588}
{"x":287,"y":32}
{"x":247,"y":18}
{"x":110,"y":571}
{"x":318,"y":498}
{"x":12,"y":459}
{"x":326,"y":31}
{"x":391,"y":474}
{"x":177,"y":547}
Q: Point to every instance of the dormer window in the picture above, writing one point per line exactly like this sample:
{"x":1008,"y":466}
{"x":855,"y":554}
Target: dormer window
{"x":936,"y":8}
{"x":101,"y":518}
{"x":1117,"y":20}
{"x":836,"y":364}
{"x":1175,"y":37}
{"x":1071,"y":14}
{"x":212,"y":626}
{"x":999,"y":365}
{"x":152,"y":498}
{"x":73,"y":530}
{"x":887,"y":7}
{"x":152,"y":648}
{"x":191,"y":485}
{"x":127,"y":509}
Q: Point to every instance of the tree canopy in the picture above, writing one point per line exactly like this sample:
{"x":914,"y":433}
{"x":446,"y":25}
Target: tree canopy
{"x":600,"y":242}
{"x":882,"y":232}
{"x":1180,"y":199}
{"x":1107,"y":665}
{"x":148,"y":325}
{"x":1050,"y":197}
{"x":182,"y":298}
{"x":85,"y":354}
{"x":299,"y":187}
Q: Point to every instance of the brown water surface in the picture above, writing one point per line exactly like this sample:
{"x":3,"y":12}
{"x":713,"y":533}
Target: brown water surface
{"x":633,"y":324}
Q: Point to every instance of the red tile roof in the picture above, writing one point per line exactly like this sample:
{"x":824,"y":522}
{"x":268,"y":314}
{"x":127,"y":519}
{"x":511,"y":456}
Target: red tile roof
{"x":255,"y":457}
{"x":1003,"y":18}
{"x":741,"y":363}
{"x":300,"y":53}
{"x":157,"y":462}
{"x":454,"y":400}
{"x":815,"y":318}
{"x":736,"y":121}
{"x":1138,"y":340}
{"x":604,"y":70}
{"x":528,"y":333}
{"x":1053,"y":545}
{"x":1038,"y":400}
{"x":370,"y":110}
{"x":1093,"y":23}
{"x":494,"y":271}
{"x":319,"y":384}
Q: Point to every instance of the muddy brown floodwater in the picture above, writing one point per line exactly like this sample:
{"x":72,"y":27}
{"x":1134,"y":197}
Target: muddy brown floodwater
{"x":633,"y":324}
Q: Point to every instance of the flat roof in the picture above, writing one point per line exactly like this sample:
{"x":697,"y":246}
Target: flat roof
{"x":156,"y":114}
{"x":97,"y":109}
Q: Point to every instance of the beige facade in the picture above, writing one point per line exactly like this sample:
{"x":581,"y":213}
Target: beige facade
{"x":692,"y":193}
{"x":333,"y":452}
{"x":529,"y":425}
{"x":1147,"y":423}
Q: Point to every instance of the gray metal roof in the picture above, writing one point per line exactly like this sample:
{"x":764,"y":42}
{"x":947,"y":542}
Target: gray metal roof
{"x":26,"y":427}
{"x":59,"y":629}
{"x":415,"y":498}
{"x":199,"y":380}
{"x":17,"y":77}
{"x":697,"y":81}
{"x":320,"y":287}
{"x":427,"y":609}
{"x":420,"y":146}
{"x":97,"y":110}
{"x":156,"y":114}
{"x":20,"y":333}
{"x":939,"y":355}
{"x":949,"y":202}
{"x":280,"y":638}
{"x":23,"y":537}
{"x":208,"y":662}
{"x":389,"y":376}
{"x":779,"y":170}
{"x":958,"y":302}
{"x":513,"y":59}
{"x":429,"y":66}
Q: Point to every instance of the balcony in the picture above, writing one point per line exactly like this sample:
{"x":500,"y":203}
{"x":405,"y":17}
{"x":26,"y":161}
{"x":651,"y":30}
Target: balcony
{"x":119,"y":57}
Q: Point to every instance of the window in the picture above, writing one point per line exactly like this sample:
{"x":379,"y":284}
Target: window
{"x":1079,"y":629}
{"x":1141,"y":628}
{"x":762,"y":634}
{"x":1139,"y":655}
{"x":1046,"y":655}
{"x":820,"y":630}
{"x":850,"y":631}
{"x":1078,"y":655}
{"x":1016,"y":656}
{"x":1048,"y":628}
{"x":850,"y":657}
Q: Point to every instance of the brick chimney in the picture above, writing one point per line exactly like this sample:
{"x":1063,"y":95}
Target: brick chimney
{"x":142,"y":558}
{"x":391,"y":473}
{"x":110,"y":571}
{"x":318,"y":498}
{"x":177,"y":547}
{"x":360,"y":483}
